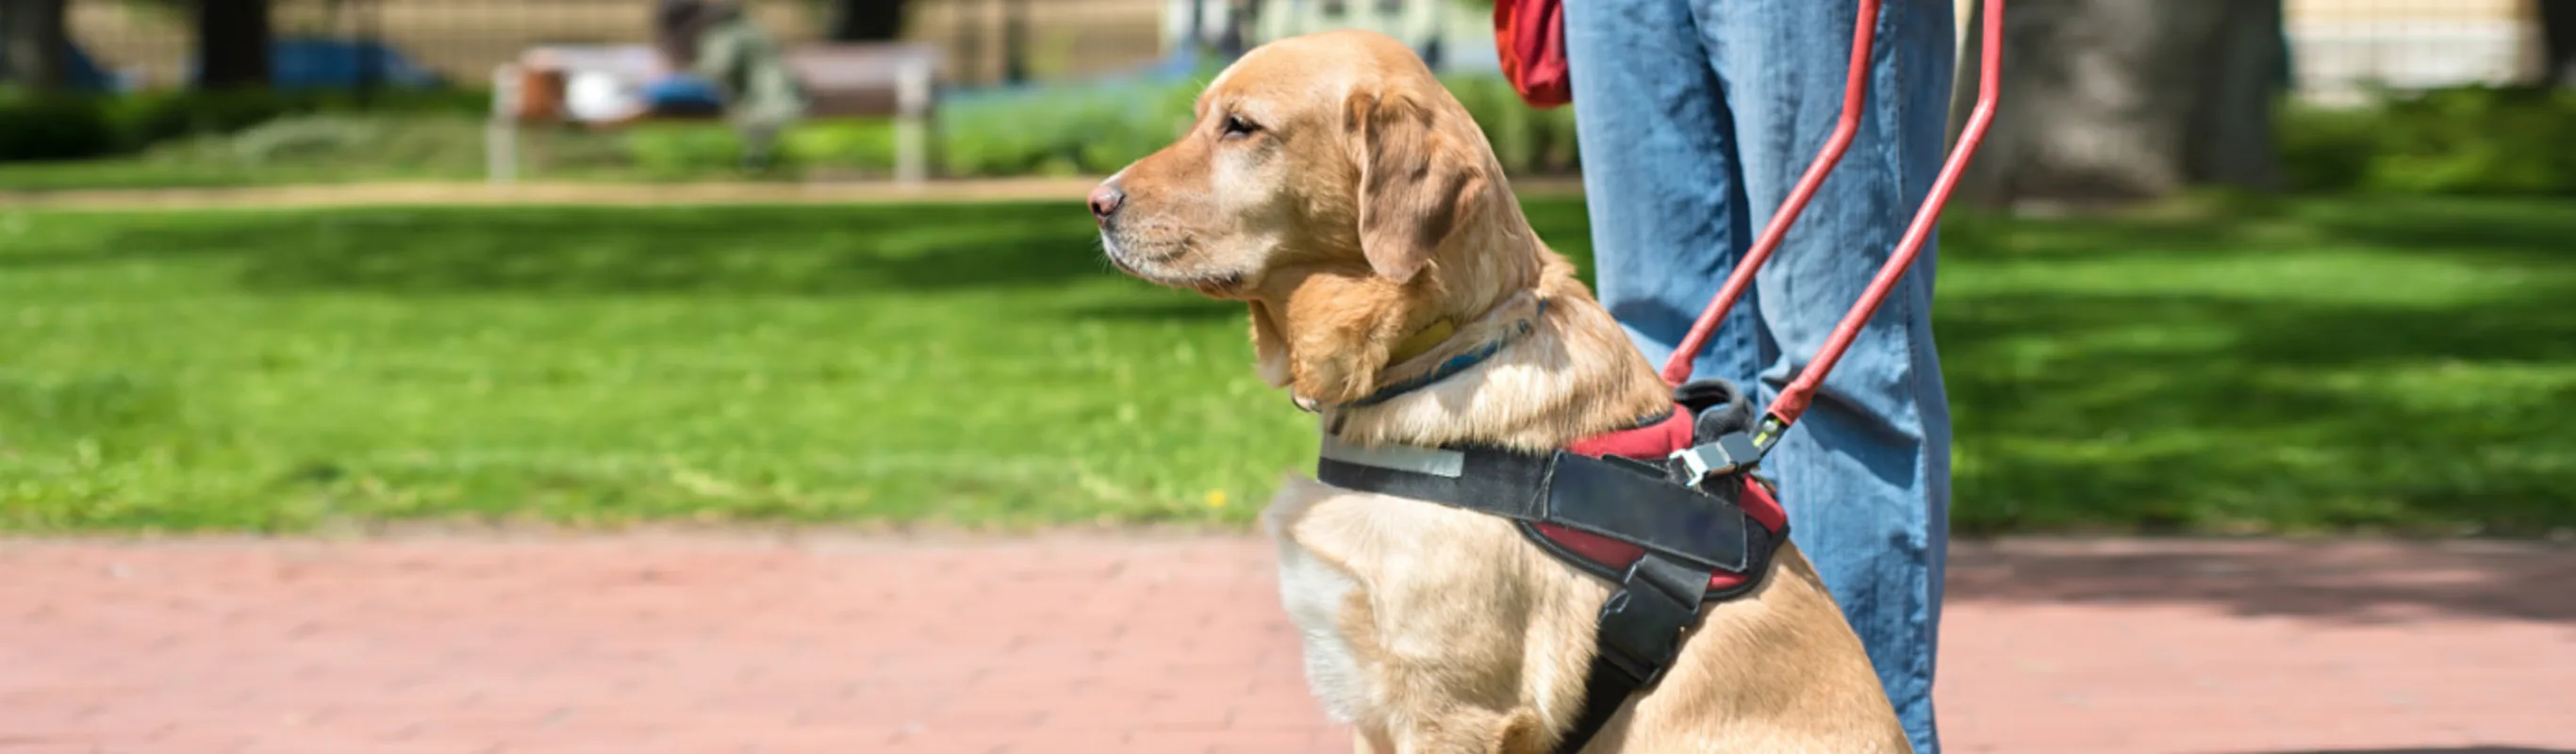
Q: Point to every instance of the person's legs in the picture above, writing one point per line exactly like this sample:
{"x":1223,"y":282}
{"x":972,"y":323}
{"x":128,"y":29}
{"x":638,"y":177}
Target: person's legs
{"x":1695,"y":118}
{"x":1866,"y":472}
{"x":1659,"y":176}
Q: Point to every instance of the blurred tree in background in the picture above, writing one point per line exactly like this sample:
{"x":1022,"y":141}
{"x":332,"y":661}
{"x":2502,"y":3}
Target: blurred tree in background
{"x":232,"y":43}
{"x":2557,"y":41}
{"x":36,"y":41}
{"x":863,"y":20}
{"x":2116,"y":100}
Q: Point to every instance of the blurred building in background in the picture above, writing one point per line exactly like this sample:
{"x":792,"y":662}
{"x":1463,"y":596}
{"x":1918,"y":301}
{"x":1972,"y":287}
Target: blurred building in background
{"x":2339,"y":47}
{"x":1451,"y":35}
{"x":151,"y":42}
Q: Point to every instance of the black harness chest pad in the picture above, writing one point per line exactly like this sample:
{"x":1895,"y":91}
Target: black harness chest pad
{"x":1626,"y":500}
{"x":1688,"y":535}
{"x":1615,"y":497}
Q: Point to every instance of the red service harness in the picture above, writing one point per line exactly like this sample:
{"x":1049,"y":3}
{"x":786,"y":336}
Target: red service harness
{"x":1672,"y":511}
{"x":1660,"y":440}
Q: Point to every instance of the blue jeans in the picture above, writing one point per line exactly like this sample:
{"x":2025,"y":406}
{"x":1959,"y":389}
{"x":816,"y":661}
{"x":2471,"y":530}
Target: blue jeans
{"x":1695,"y":118}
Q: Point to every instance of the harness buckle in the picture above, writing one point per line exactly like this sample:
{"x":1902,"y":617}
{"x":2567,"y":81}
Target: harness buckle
{"x":1731,"y":451}
{"x":1641,"y":625}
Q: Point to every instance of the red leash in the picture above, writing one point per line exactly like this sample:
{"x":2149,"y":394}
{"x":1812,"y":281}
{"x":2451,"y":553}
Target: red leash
{"x":1673,"y":435}
{"x":1793,"y":400}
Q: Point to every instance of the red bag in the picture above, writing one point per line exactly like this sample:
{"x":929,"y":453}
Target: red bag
{"x":1530,"y":37}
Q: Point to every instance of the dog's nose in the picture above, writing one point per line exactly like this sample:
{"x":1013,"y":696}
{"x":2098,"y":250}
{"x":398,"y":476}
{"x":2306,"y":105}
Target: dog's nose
{"x":1105,"y":200}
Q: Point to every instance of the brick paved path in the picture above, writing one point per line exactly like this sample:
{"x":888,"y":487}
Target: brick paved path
{"x":736,"y":643}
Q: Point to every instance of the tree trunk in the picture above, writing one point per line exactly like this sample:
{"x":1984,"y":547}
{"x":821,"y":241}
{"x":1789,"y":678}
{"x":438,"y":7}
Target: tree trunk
{"x":1237,"y":37}
{"x":1015,"y":41}
{"x":2117,"y":100}
{"x":968,"y":48}
{"x":2558,"y":41}
{"x":232,"y":43}
{"x":38,"y":43}
{"x":864,"y":21}
{"x":2230,"y":138}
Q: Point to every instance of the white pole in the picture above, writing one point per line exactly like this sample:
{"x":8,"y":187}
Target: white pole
{"x":501,"y":131}
{"x":912,"y":121}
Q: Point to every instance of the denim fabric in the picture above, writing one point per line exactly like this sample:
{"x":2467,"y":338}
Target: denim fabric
{"x":1695,"y":118}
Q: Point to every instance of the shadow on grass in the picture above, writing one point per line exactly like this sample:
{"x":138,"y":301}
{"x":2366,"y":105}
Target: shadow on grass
{"x":2536,"y":231}
{"x":2262,"y":411}
{"x":2348,"y":580}
{"x":2514,"y":231}
{"x":2166,"y":408}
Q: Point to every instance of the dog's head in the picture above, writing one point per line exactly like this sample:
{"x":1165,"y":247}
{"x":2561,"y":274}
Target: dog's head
{"x":1324,"y":177}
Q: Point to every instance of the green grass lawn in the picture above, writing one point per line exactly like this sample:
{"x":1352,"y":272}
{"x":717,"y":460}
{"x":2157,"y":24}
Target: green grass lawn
{"x":2321,"y":364}
{"x":340,"y":149}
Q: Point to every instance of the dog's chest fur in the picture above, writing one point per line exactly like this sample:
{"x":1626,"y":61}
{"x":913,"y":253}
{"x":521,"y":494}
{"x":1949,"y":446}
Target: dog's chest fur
{"x":1405,"y":605}
{"x":1314,"y":594}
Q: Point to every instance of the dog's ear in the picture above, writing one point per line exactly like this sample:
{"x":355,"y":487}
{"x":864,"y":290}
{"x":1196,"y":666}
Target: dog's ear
{"x":1414,"y":180}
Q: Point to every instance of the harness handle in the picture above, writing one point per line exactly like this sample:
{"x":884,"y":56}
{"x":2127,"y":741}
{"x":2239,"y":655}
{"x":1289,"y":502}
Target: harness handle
{"x":1794,"y":399}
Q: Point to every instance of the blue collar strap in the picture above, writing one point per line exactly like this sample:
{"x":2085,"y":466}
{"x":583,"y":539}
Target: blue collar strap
{"x":1451,"y":366}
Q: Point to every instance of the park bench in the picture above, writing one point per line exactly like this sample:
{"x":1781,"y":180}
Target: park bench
{"x":595,"y":85}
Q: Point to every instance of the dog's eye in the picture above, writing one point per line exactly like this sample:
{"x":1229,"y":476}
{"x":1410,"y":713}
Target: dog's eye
{"x":1236,"y":127}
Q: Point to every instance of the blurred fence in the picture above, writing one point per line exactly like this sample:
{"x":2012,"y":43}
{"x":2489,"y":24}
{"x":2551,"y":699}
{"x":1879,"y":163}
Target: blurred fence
{"x":2339,"y":46}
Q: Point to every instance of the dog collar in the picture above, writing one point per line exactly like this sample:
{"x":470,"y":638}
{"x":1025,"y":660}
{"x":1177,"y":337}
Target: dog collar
{"x":1419,"y":344}
{"x":1422,"y":342}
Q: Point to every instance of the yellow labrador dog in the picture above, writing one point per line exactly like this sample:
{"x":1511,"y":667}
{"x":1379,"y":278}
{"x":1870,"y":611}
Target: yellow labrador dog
{"x":1332,"y":184}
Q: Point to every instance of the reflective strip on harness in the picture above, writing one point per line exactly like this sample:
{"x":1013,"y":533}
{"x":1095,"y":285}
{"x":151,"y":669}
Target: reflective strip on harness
{"x":1439,"y":462}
